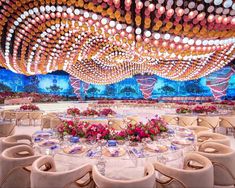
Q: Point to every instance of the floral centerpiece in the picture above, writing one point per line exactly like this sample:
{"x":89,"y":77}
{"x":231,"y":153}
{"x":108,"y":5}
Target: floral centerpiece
{"x":183,"y":110}
{"x":97,"y":132}
{"x":155,"y":126}
{"x":73,"y":111}
{"x":135,"y":132}
{"x":199,"y":109}
{"x":107,"y":112}
{"x":90,"y":112}
{"x":211,"y":109}
{"x":152,"y":128}
{"x":73,"y":128}
{"x":28,"y":107}
{"x":205,"y":109}
{"x":118,"y":135}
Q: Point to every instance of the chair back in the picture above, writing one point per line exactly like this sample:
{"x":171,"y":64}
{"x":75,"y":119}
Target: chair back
{"x":171,"y":119}
{"x":55,"y":122}
{"x":117,"y":124}
{"x":186,"y":121}
{"x":46,"y":121}
{"x":8,"y":115}
{"x":44,"y":175}
{"x":35,"y":115}
{"x":22,"y":115}
{"x":212,"y":137}
{"x":15,"y":140}
{"x":209,"y":121}
{"x":198,"y":129}
{"x":223,"y":160}
{"x":227,"y":121}
{"x":148,"y":181}
{"x":6,"y":129}
{"x":197,"y":172}
{"x":15,"y":162}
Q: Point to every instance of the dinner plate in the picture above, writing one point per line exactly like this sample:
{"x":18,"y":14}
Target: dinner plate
{"x":182,"y":142}
{"x":74,"y":150}
{"x":48,"y":143}
{"x":113,"y":151}
{"x":156,"y":148}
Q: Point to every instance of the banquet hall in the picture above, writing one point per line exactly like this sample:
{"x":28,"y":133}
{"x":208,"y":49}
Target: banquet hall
{"x":117,"y":93}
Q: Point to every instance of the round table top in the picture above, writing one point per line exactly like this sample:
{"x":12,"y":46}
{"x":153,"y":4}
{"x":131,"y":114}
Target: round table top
{"x":168,"y":148}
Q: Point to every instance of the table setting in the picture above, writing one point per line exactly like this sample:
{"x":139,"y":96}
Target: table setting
{"x":71,"y":151}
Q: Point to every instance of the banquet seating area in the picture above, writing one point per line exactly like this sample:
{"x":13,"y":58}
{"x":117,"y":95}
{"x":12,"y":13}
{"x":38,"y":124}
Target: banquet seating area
{"x":188,"y":153}
{"x":117,"y":94}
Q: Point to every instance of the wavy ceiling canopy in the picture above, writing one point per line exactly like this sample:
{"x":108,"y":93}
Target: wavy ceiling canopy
{"x":104,"y":41}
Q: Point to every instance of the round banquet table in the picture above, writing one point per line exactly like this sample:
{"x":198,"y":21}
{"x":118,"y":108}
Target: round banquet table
{"x":118,"y":162}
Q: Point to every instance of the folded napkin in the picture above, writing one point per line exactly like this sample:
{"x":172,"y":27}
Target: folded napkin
{"x":75,"y":150}
{"x":137,"y":153}
{"x":114,"y":152}
{"x":49,"y":143}
{"x":156,"y":148}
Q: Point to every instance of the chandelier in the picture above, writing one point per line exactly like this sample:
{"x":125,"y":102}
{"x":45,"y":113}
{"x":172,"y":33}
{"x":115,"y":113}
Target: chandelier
{"x":105,"y":41}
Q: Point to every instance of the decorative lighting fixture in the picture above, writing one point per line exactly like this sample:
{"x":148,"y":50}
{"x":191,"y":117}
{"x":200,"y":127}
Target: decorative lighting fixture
{"x":105,"y":41}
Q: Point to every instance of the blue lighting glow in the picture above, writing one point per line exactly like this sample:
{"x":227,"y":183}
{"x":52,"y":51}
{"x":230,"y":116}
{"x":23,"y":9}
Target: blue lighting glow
{"x":126,"y":89}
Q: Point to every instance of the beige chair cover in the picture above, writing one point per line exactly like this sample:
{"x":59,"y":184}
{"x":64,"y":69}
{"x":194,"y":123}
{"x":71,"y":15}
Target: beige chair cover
{"x":117,"y":124}
{"x":198,"y":129}
{"x":15,"y":162}
{"x":223,"y":160}
{"x":33,"y":116}
{"x":20,"y":116}
{"x":132,"y":119}
{"x":15,"y":140}
{"x":46,"y":122}
{"x":171,"y":119}
{"x":6,"y":129}
{"x":212,"y":137}
{"x":8,"y":115}
{"x":44,"y":175}
{"x":209,"y":121}
{"x":55,"y":122}
{"x":197,"y":172}
{"x":187,"y":121}
{"x":228,"y":122}
{"x":148,"y":181}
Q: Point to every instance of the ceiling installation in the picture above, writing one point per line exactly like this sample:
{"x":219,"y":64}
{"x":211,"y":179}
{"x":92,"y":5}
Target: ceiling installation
{"x":107,"y":41}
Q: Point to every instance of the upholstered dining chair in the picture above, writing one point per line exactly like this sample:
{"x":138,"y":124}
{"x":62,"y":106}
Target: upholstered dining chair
{"x":198,"y":129}
{"x":212,"y":137}
{"x":46,"y":122}
{"x":8,"y":115}
{"x":133,"y":119}
{"x":186,"y":121}
{"x":6,"y":129}
{"x":44,"y":175}
{"x":117,"y":124}
{"x":15,"y":140}
{"x":33,"y":116}
{"x":15,"y":165}
{"x":197,"y":172}
{"x":171,"y":119}
{"x":223,"y":160}
{"x":228,"y":122}
{"x":209,"y":121}
{"x":55,"y":122}
{"x":148,"y":181}
{"x":20,"y":116}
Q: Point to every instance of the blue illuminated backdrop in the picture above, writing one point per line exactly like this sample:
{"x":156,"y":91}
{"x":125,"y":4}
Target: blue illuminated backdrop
{"x":127,"y":89}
